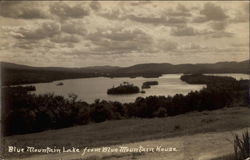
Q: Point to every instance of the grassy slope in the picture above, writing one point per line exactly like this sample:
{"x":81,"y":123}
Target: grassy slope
{"x":136,"y":130}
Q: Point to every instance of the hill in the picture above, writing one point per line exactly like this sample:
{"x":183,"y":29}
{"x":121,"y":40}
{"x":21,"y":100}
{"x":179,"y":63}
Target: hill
{"x":166,"y":68}
{"x":13,"y":74}
{"x":195,"y":135}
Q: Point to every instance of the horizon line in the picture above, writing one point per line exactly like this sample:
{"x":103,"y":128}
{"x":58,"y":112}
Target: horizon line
{"x":122,"y":66}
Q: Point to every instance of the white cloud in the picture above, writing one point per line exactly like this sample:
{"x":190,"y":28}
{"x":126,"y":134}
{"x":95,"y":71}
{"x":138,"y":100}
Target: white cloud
{"x":74,"y":27}
{"x":65,"y":38}
{"x":166,"y":45}
{"x":120,"y":41}
{"x":22,"y":10}
{"x":213,"y":12}
{"x":45,"y":30}
{"x":130,"y":32}
{"x":65,"y":11}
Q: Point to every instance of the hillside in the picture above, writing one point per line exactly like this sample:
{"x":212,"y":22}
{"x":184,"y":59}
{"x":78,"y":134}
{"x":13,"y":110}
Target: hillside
{"x":220,"y":67}
{"x":13,"y":74}
{"x":21,"y":74}
{"x":194,"y":134}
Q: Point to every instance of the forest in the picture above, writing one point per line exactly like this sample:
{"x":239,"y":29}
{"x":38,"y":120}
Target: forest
{"x":27,"y":113}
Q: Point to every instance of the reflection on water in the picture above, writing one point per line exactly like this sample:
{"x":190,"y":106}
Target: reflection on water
{"x":89,"y":89}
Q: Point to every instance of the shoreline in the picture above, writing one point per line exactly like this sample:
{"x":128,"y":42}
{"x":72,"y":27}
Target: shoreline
{"x":131,"y":77}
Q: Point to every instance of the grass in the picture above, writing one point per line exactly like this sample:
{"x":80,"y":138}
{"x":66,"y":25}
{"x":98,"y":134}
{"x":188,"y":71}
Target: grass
{"x":135,"y":130}
{"x":241,"y":146}
{"x":226,"y":157}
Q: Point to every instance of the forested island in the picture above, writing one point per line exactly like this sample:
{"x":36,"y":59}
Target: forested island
{"x":60,"y":84}
{"x":148,"y":84}
{"x":26,"y":113}
{"x":124,"y":88}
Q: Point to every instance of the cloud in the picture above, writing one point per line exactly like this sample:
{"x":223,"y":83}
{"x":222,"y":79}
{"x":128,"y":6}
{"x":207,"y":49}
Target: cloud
{"x":221,"y":34}
{"x":139,"y":3}
{"x":167,"y":18}
{"x":217,"y":32}
{"x":95,"y":5}
{"x":240,"y":18}
{"x":74,"y":27}
{"x":240,"y":44}
{"x":199,"y":19}
{"x":132,"y":32}
{"x":74,"y":52}
{"x":211,"y":12}
{"x":231,"y":49}
{"x":22,"y":10}
{"x":65,"y":38}
{"x":183,"y":31}
{"x":113,"y":14}
{"x":147,"y":19}
{"x":194,"y":46}
{"x":25,"y":45}
{"x":65,"y":11}
{"x":47,"y":29}
{"x":188,"y":31}
{"x":180,"y":10}
{"x":166,"y":45}
{"x":30,"y":45}
{"x":119,"y":41}
{"x":242,"y":15}
{"x":219,"y":26}
{"x":197,"y":48}
{"x":163,"y":20}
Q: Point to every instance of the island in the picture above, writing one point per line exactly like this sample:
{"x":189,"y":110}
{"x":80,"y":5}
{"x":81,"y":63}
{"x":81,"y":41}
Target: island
{"x":143,"y":91}
{"x":148,"y":84}
{"x":59,"y":84}
{"x":124,"y":88}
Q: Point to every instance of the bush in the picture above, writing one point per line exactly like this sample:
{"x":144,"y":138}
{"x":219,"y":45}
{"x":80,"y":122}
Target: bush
{"x":161,"y":112}
{"x":101,"y":112}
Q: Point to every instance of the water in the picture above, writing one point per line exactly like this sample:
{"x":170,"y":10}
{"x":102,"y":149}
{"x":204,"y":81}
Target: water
{"x":90,"y":89}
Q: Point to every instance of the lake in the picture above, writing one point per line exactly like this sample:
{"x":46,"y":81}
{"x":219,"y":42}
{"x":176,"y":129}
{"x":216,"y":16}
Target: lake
{"x":90,"y":89}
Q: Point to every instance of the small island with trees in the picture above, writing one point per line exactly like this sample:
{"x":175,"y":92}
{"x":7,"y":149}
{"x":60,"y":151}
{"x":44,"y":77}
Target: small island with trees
{"x":59,"y":84}
{"x":148,"y":84}
{"x":124,"y":88}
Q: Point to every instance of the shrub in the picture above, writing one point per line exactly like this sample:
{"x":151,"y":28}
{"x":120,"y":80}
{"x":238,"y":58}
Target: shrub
{"x":161,"y":112}
{"x":101,"y":112}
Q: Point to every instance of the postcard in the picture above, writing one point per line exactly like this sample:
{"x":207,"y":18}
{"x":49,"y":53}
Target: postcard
{"x":124,"y":80}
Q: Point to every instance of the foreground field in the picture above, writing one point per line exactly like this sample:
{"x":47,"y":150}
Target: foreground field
{"x":198,"y":135}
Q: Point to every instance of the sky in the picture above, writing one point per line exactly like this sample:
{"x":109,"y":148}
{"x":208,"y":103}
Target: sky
{"x":123,"y":33}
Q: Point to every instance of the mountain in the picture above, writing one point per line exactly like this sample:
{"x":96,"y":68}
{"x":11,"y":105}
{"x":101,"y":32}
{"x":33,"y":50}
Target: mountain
{"x":13,"y":74}
{"x":167,"y":68}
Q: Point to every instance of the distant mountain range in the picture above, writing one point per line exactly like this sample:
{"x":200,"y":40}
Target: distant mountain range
{"x":13,"y":74}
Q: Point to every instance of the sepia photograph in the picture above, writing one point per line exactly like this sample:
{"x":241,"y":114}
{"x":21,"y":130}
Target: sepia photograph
{"x":124,"y":80}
